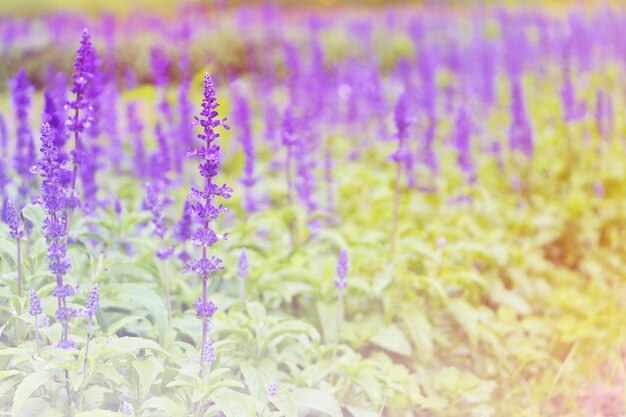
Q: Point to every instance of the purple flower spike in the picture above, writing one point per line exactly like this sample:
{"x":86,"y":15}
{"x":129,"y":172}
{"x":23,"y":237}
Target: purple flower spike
{"x":83,"y":74}
{"x":272,"y":390}
{"x":208,"y":351}
{"x":13,"y":220}
{"x":520,"y":133}
{"x":462,"y":143}
{"x":202,"y":205}
{"x":93,"y":301}
{"x":26,"y":155}
{"x":342,"y":271}
{"x":204,"y":309}
{"x":242,"y":272}
{"x":55,"y":201}
{"x":35,"y":304}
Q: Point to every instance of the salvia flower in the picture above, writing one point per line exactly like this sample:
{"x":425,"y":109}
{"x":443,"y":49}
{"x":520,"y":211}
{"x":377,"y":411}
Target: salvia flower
{"x":241,"y":115}
{"x":25,"y":153}
{"x":202,"y":205}
{"x":135,"y":131}
{"x":208,"y":351}
{"x":403,"y":122}
{"x":93,"y":301}
{"x":14,"y":221}
{"x":520,"y":132}
{"x":272,"y":390}
{"x":55,"y":201}
{"x":35,"y":304}
{"x":125,"y":408}
{"x":243,"y":272}
{"x":342,"y":271}
{"x":462,"y":143}
{"x":81,"y":118}
{"x":155,"y":205}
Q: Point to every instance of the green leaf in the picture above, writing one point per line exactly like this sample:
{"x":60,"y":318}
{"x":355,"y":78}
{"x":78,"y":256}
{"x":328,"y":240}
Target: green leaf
{"x":259,"y":377}
{"x":233,"y":403}
{"x":35,"y":213}
{"x":98,"y":413}
{"x":392,"y":339}
{"x":285,"y":402}
{"x":315,"y":399}
{"x":27,"y":387}
{"x":148,"y":370}
{"x":362,"y":412}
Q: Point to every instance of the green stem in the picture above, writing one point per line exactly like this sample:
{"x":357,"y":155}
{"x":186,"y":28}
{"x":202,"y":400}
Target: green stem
{"x":18,"y":328}
{"x":85,"y":360}
{"x":166,"y":287}
{"x":396,"y":209}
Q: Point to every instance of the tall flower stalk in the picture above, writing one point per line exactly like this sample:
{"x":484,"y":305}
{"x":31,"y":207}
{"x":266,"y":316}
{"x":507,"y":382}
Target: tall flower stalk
{"x":202,"y":205}
{"x":155,"y":205}
{"x":242,"y":273}
{"x":16,"y":231}
{"x":289,"y":141}
{"x":55,"y":201}
{"x":340,"y":283}
{"x":81,"y":118}
{"x":91,"y":309}
{"x":402,"y":156}
{"x":35,"y":311}
{"x":25,"y":154}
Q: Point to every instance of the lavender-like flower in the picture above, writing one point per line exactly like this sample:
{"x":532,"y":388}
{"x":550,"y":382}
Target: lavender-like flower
{"x":520,"y":132}
{"x":462,"y":143}
{"x":341,"y":283}
{"x":242,"y":273}
{"x":13,"y":220}
{"x":342,"y":271}
{"x":35,"y":304}
{"x":241,"y":115}
{"x":289,"y":140}
{"x":161,"y":160}
{"x":4,"y":136}
{"x":202,"y":205}
{"x":25,"y":154}
{"x":55,"y":201}
{"x":81,"y":118}
{"x":35,"y":310}
{"x":402,"y":156}
{"x":125,"y":408}
{"x":93,"y":301}
{"x":272,"y":390}
{"x":135,"y":130}
{"x":50,"y":116}
{"x":16,"y":231}
{"x":155,"y":205}
{"x":91,"y":309}
{"x":403,"y":121}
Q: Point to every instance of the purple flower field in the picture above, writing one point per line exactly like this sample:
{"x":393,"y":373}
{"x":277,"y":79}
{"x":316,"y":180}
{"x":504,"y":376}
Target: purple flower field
{"x":285,"y":210}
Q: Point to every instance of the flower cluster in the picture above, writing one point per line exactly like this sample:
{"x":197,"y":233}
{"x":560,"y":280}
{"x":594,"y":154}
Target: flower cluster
{"x":93,"y":301}
{"x":55,"y":201}
{"x":83,"y":74}
{"x":341,"y":283}
{"x":25,"y":156}
{"x":202,"y":205}
{"x":155,"y":206}
{"x":243,"y":271}
{"x":403,"y":121}
{"x":35,"y":304}
{"x":13,"y":221}
{"x":462,"y":144}
{"x":520,"y":131}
